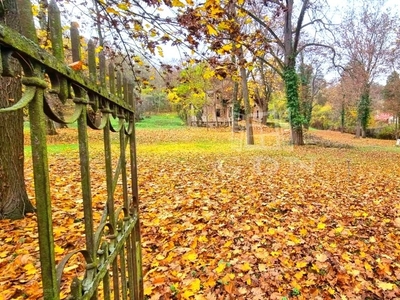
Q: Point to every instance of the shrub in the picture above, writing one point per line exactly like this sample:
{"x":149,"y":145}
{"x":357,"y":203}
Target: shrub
{"x":386,"y":133}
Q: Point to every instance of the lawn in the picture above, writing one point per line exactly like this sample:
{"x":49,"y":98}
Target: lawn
{"x":223,"y":220}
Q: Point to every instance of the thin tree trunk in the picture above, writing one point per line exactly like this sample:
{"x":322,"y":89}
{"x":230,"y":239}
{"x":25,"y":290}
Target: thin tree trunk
{"x":358,"y":129}
{"x":235,"y":114}
{"x":342,"y":118}
{"x":14,"y":202}
{"x":245,"y":93}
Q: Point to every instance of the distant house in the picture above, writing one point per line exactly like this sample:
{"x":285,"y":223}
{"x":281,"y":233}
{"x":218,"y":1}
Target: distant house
{"x":217,"y":112}
{"x":387,"y":118}
{"x":258,"y":113}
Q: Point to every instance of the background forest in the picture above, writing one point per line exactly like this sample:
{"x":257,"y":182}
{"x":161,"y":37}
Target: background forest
{"x":309,"y":63}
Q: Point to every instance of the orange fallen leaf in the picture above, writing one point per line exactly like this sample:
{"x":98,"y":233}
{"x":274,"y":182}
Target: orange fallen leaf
{"x":77,"y":65}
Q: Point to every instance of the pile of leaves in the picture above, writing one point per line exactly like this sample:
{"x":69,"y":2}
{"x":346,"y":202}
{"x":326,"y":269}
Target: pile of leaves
{"x":222,"y":220}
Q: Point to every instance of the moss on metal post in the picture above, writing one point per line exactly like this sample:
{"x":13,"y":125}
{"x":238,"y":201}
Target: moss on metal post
{"x":57,"y":46}
{"x":42,"y":195}
{"x":39,"y":157}
{"x":136,"y":239}
{"x":85,"y":182}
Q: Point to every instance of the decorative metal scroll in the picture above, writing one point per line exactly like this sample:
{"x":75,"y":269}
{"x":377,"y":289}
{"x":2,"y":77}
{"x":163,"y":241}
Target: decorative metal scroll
{"x":112,"y":253}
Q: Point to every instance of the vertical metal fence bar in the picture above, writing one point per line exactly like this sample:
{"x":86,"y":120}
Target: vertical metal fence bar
{"x":57,"y":46}
{"x":92,"y":60}
{"x":42,"y":195}
{"x":40,"y":161}
{"x":137,"y":263}
{"x":110,"y":201}
{"x":102,"y":69}
{"x":126,"y":206}
{"x":106,"y":278}
{"x":85,"y":182}
{"x":123,"y":273}
{"x":111,"y":78}
{"x":75,"y":42}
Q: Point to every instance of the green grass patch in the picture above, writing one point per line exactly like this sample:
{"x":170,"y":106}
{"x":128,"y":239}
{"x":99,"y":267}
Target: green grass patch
{"x":163,"y":121}
{"x":54,"y":149}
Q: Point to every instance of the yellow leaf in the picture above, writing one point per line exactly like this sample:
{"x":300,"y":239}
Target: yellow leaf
{"x":367,"y":266}
{"x":228,"y":244}
{"x":224,"y":49}
{"x":301,"y":264}
{"x":321,"y":225}
{"x":123,"y":6}
{"x":331,"y":291}
{"x":299,"y":275}
{"x":303,"y":232}
{"x":386,"y":286}
{"x":220,"y":268}
{"x":148,"y":290}
{"x":195,"y":285}
{"x":275,"y":253}
{"x":203,"y":239}
{"x":187,"y":294}
{"x":190,"y":256}
{"x":211,"y":30}
{"x":30,"y":269}
{"x":177,"y":3}
{"x":111,"y":10}
{"x":245,"y":267}
{"x":339,"y":229}
{"x":58,"y":250}
{"x":345,"y":256}
{"x":160,"y":257}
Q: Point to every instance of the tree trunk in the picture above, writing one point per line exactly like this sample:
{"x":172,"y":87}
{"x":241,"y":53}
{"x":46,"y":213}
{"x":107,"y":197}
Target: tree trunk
{"x":245,"y":92}
{"x":358,"y":129}
{"x":342,"y":118}
{"x":50,"y":127}
{"x":14,"y":202}
{"x":364,"y":110}
{"x":235,"y":104}
{"x":293,"y":105}
{"x":297,"y":136}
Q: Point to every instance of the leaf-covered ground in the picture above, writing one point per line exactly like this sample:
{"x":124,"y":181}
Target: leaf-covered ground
{"x":222,"y":220}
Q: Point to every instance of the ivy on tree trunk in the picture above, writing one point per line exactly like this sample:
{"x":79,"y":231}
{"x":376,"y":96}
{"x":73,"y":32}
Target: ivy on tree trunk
{"x":293,"y":105}
{"x":364,"y":111}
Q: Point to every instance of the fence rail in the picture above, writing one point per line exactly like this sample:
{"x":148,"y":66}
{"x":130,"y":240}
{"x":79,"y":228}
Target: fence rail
{"x":112,"y":250}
